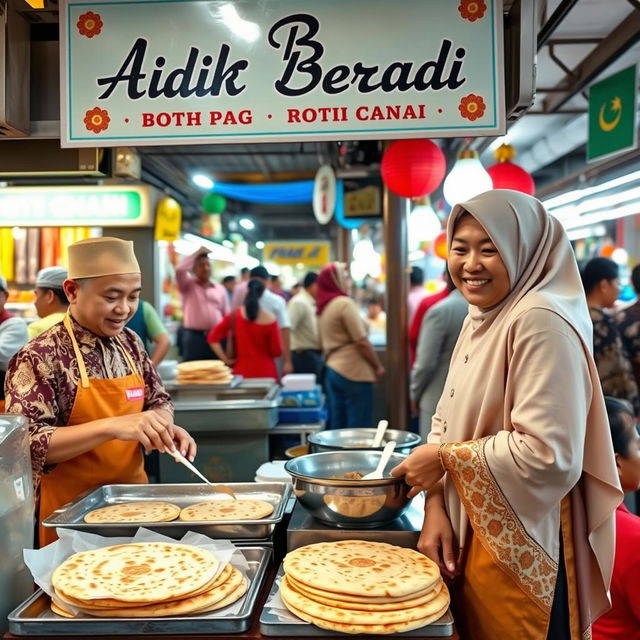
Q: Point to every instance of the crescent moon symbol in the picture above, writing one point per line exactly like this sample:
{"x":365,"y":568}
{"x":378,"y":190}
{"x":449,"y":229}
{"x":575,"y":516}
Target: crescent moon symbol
{"x":608,"y":126}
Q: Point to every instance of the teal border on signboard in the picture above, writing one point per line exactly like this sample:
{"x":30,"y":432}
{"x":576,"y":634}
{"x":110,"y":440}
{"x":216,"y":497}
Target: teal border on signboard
{"x":205,"y":136}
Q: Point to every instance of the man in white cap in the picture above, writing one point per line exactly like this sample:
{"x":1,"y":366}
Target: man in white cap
{"x":51,"y":301}
{"x":13,"y":335}
{"x":90,"y":373}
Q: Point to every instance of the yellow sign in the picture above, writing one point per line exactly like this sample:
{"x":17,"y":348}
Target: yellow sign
{"x":309,"y":254}
{"x":168,"y":220}
{"x":362,"y":202}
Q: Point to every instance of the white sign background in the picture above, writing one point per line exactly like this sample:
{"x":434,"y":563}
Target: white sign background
{"x":98,"y":37}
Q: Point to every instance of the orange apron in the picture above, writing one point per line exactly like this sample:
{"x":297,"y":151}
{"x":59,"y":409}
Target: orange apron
{"x":113,"y":462}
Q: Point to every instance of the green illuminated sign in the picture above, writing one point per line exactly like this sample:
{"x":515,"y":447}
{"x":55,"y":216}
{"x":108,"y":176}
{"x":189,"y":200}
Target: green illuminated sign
{"x":75,"y":206}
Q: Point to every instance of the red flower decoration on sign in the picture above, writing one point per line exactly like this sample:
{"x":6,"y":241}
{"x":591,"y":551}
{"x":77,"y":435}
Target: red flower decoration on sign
{"x":97,"y":120}
{"x":472,"y":107}
{"x":90,"y":24}
{"x":472,"y":10}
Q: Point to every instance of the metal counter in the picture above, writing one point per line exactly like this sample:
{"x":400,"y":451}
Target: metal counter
{"x":231,"y":426}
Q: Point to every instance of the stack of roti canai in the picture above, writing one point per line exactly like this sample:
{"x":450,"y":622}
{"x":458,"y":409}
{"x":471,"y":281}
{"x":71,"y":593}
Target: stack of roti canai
{"x":144,"y":579}
{"x":203,"y":372}
{"x":360,"y":587}
{"x":142,"y":511}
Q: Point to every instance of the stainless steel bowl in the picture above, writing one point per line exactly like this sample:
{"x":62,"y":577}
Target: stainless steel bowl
{"x":321,"y":489}
{"x":360,"y":439}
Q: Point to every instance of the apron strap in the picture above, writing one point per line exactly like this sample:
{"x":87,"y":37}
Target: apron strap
{"x":128,"y":357}
{"x":84,"y":378}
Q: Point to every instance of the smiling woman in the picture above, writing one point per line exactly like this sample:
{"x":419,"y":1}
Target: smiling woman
{"x":519,"y":469}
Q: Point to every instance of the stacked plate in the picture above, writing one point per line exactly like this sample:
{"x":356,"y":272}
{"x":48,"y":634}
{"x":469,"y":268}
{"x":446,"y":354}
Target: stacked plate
{"x":360,"y":587}
{"x":203,"y":372}
{"x":140,"y":580}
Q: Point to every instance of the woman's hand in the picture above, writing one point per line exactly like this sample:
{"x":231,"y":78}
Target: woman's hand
{"x":436,"y":539}
{"x":421,"y":469}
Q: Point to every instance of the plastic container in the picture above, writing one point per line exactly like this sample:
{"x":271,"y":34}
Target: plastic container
{"x":272,"y":472}
{"x":302,"y":416}
{"x":299,"y":382}
{"x":301,"y":398}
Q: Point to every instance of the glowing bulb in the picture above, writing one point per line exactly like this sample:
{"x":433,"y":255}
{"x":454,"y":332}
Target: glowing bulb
{"x":467,"y":179}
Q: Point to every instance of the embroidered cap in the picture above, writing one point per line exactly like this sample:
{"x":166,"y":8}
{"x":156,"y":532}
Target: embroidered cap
{"x":96,"y":257}
{"x":51,"y":277}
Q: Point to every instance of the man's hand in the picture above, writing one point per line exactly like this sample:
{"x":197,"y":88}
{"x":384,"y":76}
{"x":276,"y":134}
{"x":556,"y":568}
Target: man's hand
{"x":153,"y":429}
{"x":380,"y":373}
{"x":421,"y":469}
{"x":184,"y":443}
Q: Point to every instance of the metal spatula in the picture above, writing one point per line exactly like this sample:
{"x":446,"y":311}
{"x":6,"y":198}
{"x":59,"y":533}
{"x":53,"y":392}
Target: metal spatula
{"x":220,"y":488}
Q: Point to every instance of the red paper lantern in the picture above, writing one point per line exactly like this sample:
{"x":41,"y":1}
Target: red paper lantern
{"x":507,"y":175}
{"x":440,"y":246}
{"x":413,"y":168}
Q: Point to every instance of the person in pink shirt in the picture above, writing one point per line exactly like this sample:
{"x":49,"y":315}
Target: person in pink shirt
{"x":622,"y":621}
{"x":204,"y":303}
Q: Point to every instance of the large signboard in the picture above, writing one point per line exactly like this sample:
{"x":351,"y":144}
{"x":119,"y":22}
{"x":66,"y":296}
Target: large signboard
{"x":304,"y":253}
{"x":146,"y":72}
{"x":75,"y":206}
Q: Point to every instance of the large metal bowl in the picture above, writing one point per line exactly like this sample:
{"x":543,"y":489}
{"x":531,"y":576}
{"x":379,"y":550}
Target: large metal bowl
{"x":360,"y":439}
{"x":321,"y":489}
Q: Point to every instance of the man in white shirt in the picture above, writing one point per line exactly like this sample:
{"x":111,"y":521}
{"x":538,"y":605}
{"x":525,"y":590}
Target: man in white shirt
{"x":305,"y":344}
{"x":269,"y":301}
{"x":13,"y":336}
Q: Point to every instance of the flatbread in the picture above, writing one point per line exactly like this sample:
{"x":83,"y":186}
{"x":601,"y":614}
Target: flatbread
{"x":330,"y":601}
{"x":134,"y":512}
{"x":59,"y":610}
{"x":201,"y":365}
{"x":110,"y":603}
{"x":140,"y":572}
{"x":362,"y":568}
{"x":351,"y":616}
{"x":366,"y":629}
{"x":179,"y":607}
{"x":230,"y":599}
{"x":214,"y":510}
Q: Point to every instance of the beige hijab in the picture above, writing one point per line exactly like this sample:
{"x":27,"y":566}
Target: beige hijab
{"x":543,"y":275}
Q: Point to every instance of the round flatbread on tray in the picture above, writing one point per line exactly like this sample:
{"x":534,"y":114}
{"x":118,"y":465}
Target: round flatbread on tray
{"x":235,"y":586}
{"x":141,"y":572}
{"x":143,"y":511}
{"x":214,"y":510}
{"x":351,"y":616}
{"x":365,"y":604}
{"x":362,"y":568}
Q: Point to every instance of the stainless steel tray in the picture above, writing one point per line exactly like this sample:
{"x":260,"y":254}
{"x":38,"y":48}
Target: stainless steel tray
{"x":173,"y":384}
{"x":271,"y":625}
{"x":71,"y":515}
{"x":34,"y":617}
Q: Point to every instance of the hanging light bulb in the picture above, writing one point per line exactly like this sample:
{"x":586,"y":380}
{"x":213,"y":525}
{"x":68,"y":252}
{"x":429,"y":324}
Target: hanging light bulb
{"x":467,"y":179}
{"x":424,"y":224}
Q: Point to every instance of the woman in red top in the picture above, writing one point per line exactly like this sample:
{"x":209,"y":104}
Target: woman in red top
{"x":255,"y":334}
{"x":622,"y":621}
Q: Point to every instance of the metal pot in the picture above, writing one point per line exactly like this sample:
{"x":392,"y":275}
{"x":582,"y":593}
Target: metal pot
{"x":360,"y":439}
{"x":320,"y":486}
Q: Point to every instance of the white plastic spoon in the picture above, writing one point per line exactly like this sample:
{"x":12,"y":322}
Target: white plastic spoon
{"x":377,"y":438}
{"x":382,"y":463}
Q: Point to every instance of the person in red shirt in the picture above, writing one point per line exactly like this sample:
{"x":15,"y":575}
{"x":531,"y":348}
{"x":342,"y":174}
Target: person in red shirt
{"x":622,"y":621}
{"x":256,"y":337}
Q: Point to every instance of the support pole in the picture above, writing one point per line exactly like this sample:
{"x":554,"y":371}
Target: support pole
{"x":396,"y":209}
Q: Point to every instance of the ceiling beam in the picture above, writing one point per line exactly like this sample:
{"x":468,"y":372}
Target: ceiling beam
{"x":624,"y":36}
{"x":554,"y":21}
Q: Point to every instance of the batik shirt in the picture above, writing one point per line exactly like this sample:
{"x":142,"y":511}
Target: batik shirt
{"x":628,"y":321}
{"x":612,"y":360}
{"x":43,"y":377}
